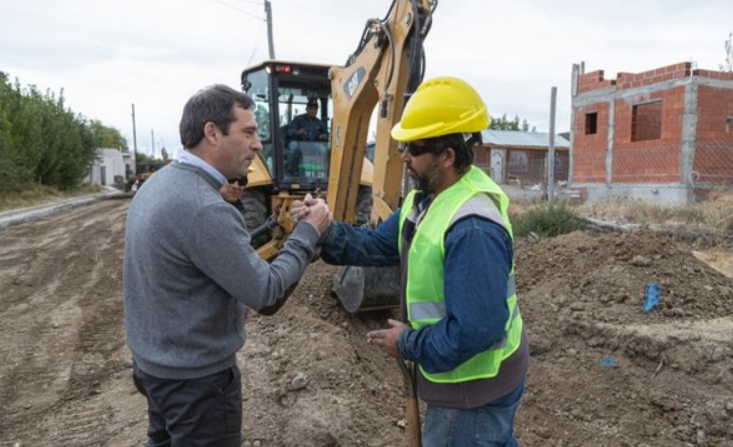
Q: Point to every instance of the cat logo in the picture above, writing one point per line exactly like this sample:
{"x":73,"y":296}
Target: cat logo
{"x":353,"y":82}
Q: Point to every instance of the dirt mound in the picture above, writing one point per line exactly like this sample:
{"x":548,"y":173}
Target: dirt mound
{"x":606,"y":276}
{"x":606,"y":372}
{"x":328,"y":386}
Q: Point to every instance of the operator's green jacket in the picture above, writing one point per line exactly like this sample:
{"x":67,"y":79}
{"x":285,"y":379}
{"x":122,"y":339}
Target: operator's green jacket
{"x":425,"y":279}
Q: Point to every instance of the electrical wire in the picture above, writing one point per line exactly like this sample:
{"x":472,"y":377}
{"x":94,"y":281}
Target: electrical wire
{"x":240,"y":10}
{"x":257,"y":45}
{"x":251,"y":2}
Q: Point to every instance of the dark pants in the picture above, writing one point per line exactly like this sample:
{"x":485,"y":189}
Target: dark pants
{"x":205,"y":412}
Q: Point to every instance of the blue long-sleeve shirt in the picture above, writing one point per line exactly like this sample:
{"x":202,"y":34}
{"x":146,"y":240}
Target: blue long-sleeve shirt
{"x":313,"y":127}
{"x":478,"y":259}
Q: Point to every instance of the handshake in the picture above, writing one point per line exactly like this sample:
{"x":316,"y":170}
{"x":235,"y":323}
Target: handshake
{"x":314,"y":211}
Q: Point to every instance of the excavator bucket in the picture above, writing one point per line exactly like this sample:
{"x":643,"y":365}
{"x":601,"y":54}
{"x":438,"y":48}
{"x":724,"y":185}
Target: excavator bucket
{"x":364,"y":289}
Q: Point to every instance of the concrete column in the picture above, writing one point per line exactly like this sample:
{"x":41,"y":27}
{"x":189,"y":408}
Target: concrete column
{"x":689,"y":136}
{"x":611,"y":129}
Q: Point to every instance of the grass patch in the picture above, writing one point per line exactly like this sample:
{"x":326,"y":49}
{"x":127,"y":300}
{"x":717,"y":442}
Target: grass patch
{"x":715,"y":212}
{"x":35,"y":194}
{"x":545,"y":222}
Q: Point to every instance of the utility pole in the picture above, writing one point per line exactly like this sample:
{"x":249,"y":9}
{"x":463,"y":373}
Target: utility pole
{"x":134,"y":140}
{"x":268,"y":13}
{"x":152,"y":142}
{"x":551,"y":150}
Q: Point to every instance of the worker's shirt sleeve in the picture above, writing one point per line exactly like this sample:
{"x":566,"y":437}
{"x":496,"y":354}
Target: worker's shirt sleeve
{"x":293,"y":126}
{"x":345,"y":244}
{"x":478,"y":259}
{"x":322,"y":128}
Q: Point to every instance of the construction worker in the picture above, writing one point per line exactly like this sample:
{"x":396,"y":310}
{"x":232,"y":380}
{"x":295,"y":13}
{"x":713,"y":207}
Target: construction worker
{"x":232,"y":192}
{"x":307,"y":126}
{"x":190,"y":271}
{"x":454,"y":241}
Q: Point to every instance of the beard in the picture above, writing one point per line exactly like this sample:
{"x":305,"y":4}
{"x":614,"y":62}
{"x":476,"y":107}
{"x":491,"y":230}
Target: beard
{"x":427,"y":182}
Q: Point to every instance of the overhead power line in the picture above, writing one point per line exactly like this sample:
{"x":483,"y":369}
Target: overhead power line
{"x":241,"y":10}
{"x":251,"y":2}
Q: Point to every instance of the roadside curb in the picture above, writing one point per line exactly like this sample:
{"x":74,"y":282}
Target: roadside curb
{"x":25,"y":215}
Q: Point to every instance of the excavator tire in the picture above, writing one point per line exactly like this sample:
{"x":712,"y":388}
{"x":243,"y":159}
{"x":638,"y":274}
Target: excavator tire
{"x":255,"y":206}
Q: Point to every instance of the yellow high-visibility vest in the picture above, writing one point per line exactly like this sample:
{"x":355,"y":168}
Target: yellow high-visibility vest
{"x":425,"y":270}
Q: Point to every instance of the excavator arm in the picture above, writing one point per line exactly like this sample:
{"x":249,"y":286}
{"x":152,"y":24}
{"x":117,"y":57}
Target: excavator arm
{"x":385,"y":69}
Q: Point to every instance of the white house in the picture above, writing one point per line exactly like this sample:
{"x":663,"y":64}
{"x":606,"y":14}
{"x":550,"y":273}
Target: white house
{"x":111,"y":167}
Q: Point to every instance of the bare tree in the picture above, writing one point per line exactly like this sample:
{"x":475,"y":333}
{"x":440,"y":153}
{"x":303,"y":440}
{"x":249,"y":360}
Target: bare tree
{"x":728,"y":54}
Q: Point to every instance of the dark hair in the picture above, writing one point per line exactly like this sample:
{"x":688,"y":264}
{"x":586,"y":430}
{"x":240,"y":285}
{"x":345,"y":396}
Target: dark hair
{"x":214,"y":103}
{"x":462,"y":144}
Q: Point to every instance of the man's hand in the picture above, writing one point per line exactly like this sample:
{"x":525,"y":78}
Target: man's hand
{"x":299,"y":209}
{"x":387,"y":338}
{"x":312,"y":210}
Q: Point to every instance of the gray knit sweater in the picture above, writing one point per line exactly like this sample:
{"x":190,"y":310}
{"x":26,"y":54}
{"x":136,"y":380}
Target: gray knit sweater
{"x":189,"y":271}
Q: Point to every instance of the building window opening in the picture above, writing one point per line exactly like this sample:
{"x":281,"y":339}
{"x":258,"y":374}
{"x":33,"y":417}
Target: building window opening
{"x":646,"y":121}
{"x":729,"y":124}
{"x":591,"y":123}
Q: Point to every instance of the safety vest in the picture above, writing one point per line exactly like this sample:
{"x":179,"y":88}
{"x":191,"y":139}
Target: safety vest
{"x":425,"y":270}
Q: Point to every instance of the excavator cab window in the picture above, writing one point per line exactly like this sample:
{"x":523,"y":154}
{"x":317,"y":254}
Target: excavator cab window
{"x":259,"y":89}
{"x":304,"y":138}
{"x":295,"y":145}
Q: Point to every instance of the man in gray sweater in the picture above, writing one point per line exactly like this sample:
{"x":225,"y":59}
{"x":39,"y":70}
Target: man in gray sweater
{"x":190,"y":272}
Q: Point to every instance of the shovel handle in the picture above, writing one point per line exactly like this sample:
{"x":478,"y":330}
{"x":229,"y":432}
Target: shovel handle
{"x":412,"y":409}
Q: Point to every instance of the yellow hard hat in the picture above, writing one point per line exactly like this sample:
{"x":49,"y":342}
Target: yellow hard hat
{"x":442,"y":106}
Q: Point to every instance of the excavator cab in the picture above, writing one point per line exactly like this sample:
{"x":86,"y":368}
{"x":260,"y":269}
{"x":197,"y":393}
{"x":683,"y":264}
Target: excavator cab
{"x":281,"y":92}
{"x":291,"y":164}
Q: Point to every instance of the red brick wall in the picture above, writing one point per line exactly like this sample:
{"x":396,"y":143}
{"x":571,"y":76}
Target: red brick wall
{"x":649,"y":161}
{"x":633,"y":80}
{"x":589,"y":157}
{"x":481,"y":158}
{"x":714,"y":148}
{"x":592,"y":81}
{"x":655,"y":160}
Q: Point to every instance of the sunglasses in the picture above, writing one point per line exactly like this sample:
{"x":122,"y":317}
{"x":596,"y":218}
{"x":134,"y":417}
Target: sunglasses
{"x":417,"y":148}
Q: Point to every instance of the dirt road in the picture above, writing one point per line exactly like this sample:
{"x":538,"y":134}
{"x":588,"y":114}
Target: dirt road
{"x":603,"y":372}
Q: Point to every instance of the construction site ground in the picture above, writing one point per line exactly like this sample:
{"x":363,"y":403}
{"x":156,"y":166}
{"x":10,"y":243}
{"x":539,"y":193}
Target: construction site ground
{"x":602,"y":373}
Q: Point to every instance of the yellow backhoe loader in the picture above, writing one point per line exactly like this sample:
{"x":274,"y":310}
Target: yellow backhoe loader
{"x":386,"y":67}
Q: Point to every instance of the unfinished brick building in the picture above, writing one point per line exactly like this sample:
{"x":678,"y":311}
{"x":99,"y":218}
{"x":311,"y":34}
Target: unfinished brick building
{"x":664,"y":135}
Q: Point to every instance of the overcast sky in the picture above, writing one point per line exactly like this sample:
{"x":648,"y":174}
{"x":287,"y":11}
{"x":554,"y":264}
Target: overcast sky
{"x":110,"y":54}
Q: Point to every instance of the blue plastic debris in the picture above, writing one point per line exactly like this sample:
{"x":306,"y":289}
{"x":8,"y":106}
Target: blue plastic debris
{"x":608,"y":362}
{"x":652,"y":296}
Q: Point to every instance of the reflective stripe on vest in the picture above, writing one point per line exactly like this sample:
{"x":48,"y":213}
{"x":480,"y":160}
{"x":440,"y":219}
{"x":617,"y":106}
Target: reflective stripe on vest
{"x":425,"y":270}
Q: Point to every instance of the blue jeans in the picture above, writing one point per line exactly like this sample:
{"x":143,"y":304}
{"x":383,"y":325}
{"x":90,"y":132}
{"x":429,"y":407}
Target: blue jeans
{"x":489,"y":426}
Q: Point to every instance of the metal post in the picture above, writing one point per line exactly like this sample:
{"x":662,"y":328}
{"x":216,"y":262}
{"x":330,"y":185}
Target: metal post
{"x":152,"y":142}
{"x":268,"y":13}
{"x":551,"y":150}
{"x":134,"y":140}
